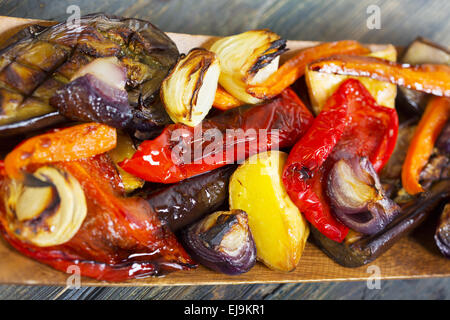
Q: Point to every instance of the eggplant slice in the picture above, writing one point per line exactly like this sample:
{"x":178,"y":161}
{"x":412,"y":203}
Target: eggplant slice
{"x":39,"y":61}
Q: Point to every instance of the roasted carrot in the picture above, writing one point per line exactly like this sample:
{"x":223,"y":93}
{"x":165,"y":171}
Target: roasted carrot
{"x":433,"y":120}
{"x":428,"y":78}
{"x":294,"y":68}
{"x":68,"y":144}
{"x":225,"y":101}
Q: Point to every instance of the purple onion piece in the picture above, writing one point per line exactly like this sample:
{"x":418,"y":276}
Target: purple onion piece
{"x":442,"y":235}
{"x":222,"y":242}
{"x":97,"y":93}
{"x":357,"y":196}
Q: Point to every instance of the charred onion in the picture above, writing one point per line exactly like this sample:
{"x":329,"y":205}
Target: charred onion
{"x":222,"y":241}
{"x":357,"y":196}
{"x":247,"y":58}
{"x":188,"y":91}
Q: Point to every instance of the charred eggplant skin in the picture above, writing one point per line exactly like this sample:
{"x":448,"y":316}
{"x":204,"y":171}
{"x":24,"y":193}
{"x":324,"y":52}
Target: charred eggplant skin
{"x":442,"y":235}
{"x":146,"y":52}
{"x":181,"y":204}
{"x":367,"y":249}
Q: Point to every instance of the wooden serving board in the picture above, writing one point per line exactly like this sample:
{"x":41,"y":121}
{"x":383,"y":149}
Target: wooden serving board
{"x":414,"y":256}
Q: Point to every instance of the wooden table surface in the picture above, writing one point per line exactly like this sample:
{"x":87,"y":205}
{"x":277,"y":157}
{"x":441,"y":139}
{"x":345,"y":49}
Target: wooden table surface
{"x":321,"y":20}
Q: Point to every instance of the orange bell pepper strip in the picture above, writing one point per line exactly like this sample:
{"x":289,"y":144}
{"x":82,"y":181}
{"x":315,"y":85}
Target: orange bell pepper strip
{"x":294,"y":68}
{"x":68,"y":144}
{"x":225,"y":101}
{"x":428,"y":78}
{"x":430,"y":125}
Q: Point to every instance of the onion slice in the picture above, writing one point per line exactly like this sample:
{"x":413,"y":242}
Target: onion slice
{"x":188,"y":91}
{"x":357,"y":196}
{"x":246,"y":59}
{"x":222,"y":241}
{"x":47,"y":209}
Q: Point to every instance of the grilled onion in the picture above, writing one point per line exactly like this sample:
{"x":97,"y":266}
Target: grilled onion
{"x":247,"y":58}
{"x":188,"y":91}
{"x":47,"y":209}
{"x":222,"y":241}
{"x":357,"y":196}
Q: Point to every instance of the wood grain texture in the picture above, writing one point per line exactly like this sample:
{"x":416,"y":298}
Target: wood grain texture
{"x":402,"y":21}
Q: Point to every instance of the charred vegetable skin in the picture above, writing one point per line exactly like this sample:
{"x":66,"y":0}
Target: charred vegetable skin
{"x":62,"y":202}
{"x":442,"y":235}
{"x":135,"y":244}
{"x":357,"y":196}
{"x":185,"y":202}
{"x":222,"y":241}
{"x":175,"y":156}
{"x":368,"y":248}
{"x":42,"y":61}
{"x":351,"y":124}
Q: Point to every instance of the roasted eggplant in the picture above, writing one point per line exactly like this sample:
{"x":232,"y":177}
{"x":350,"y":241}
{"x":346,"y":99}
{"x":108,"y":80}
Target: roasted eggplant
{"x":39,"y":62}
{"x":185,"y":202}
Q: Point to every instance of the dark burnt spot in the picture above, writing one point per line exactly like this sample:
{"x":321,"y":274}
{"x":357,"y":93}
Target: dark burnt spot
{"x":275,"y":49}
{"x":223,"y":225}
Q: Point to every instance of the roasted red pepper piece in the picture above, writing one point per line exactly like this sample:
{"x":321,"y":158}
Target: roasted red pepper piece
{"x":350,"y":124}
{"x":121,"y":238}
{"x":306,"y":158}
{"x":163,"y":160}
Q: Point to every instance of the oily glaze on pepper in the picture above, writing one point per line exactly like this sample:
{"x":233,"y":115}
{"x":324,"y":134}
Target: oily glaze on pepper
{"x":120,"y":238}
{"x":181,"y":152}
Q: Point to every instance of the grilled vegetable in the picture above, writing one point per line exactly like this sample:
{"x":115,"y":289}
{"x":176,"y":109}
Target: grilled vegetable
{"x":48,"y":210}
{"x":181,"y":151}
{"x":322,"y":85}
{"x":427,"y":132}
{"x":222,"y":241}
{"x":442,"y":235}
{"x":188,"y":91}
{"x":43,"y":60}
{"x":247,"y":58}
{"x":121,"y":237}
{"x":356,"y":251}
{"x":96,"y":93}
{"x":428,"y":78}
{"x":294,"y":68}
{"x":418,"y":52}
{"x":351,"y":124}
{"x":73,"y":143}
{"x":357,"y":196}
{"x":279,"y":229}
{"x":181,"y":204}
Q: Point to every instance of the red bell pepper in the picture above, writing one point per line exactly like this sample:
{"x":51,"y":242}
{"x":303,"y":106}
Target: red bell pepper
{"x":351,"y":123}
{"x":181,"y":152}
{"x":121,"y":237}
